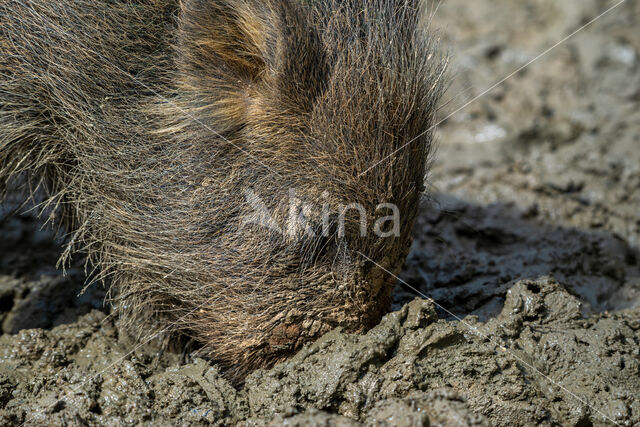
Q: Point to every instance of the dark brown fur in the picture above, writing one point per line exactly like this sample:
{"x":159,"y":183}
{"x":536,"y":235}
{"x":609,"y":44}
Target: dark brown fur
{"x":146,"y":121}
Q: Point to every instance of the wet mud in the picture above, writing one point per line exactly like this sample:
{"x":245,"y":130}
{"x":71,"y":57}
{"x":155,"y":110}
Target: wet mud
{"x":519,"y":303}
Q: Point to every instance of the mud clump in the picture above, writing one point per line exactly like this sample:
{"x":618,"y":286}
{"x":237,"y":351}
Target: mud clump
{"x":538,"y":362}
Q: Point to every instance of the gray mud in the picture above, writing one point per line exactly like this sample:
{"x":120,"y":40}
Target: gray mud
{"x":528,"y":245}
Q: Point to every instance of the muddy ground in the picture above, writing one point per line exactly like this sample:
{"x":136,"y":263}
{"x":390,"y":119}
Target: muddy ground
{"x":528,"y":244}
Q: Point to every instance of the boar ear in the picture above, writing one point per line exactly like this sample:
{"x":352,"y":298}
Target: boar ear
{"x":236,"y":50}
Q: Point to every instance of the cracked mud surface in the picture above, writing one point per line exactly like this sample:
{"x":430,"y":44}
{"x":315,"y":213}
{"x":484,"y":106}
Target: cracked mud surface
{"x":529,"y":245}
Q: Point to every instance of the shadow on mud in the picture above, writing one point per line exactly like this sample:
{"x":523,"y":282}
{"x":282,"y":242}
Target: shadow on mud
{"x":33,"y":292}
{"x":465,"y":256}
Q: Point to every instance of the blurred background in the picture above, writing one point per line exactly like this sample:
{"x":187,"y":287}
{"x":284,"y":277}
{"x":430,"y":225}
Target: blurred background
{"x":540,"y":175}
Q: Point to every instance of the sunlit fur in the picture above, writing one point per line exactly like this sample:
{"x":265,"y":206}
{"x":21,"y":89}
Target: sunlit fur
{"x":146,"y":121}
